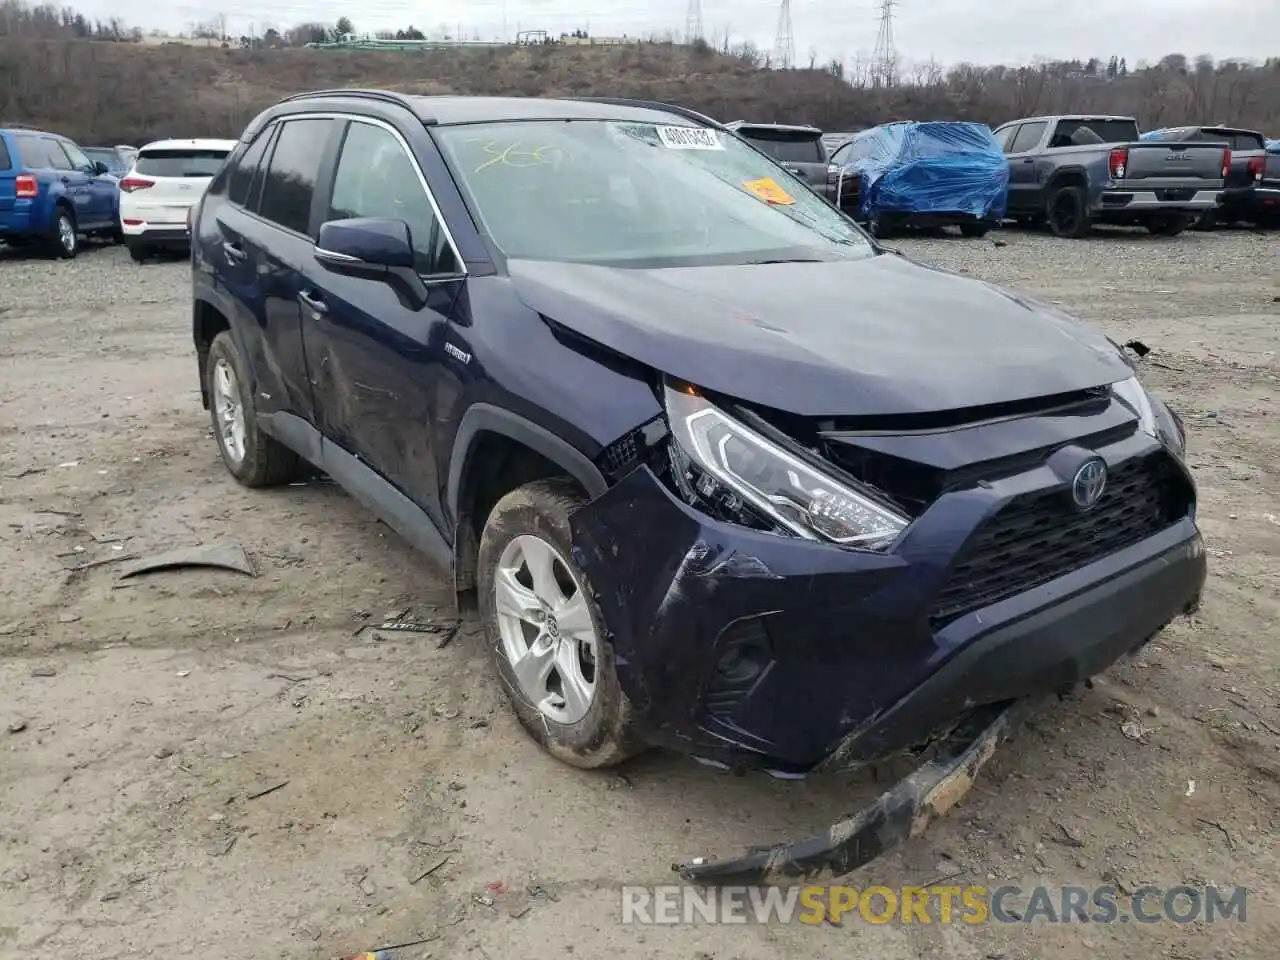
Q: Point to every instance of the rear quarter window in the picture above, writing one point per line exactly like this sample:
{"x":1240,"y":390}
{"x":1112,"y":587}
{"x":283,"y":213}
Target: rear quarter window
{"x":181,"y":163}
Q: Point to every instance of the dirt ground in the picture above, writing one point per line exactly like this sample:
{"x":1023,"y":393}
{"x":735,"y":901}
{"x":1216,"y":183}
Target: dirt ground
{"x":144,"y":715}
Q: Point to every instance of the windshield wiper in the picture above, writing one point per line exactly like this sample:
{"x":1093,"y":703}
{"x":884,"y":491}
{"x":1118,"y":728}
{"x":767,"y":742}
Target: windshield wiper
{"x":756,"y":263}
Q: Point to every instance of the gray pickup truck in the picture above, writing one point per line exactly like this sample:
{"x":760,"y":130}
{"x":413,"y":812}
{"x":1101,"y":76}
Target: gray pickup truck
{"x":1252,"y":190}
{"x":1075,"y":171}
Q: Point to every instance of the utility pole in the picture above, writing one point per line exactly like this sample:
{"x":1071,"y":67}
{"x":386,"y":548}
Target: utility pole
{"x":784,"y":46}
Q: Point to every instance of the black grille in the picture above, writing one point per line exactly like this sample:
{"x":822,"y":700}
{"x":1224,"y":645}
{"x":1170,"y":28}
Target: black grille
{"x":621,"y":455}
{"x":1040,"y":536}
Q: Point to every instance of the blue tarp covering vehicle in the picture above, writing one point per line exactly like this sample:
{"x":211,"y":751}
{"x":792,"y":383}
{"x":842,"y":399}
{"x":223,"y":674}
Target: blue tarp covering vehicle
{"x":924,"y":174}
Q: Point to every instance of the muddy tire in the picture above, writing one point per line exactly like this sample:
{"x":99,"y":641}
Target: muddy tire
{"x":1068,"y":213}
{"x":538,"y":610}
{"x":252,"y":457}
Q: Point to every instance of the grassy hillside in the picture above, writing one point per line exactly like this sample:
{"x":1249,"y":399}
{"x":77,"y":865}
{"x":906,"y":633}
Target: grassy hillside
{"x":123,"y":93}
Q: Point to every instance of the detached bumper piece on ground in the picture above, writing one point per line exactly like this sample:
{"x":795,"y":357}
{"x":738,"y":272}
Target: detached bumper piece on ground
{"x":899,"y":814}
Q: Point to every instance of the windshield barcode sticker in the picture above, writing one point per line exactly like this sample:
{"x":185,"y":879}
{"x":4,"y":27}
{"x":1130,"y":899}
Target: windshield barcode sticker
{"x":689,"y":138}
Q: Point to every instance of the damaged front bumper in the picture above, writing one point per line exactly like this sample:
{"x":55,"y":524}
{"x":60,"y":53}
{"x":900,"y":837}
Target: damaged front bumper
{"x":751,"y":650}
{"x":899,"y":814}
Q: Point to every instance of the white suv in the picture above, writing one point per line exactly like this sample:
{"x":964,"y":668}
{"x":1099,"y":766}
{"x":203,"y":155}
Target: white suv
{"x":168,"y":177}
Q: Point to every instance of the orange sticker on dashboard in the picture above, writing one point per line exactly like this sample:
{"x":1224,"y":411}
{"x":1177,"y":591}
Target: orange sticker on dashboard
{"x":767,"y":189}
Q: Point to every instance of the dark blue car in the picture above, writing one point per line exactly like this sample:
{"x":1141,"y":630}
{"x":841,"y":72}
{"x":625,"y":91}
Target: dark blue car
{"x":722,"y":474}
{"x":51,"y":193}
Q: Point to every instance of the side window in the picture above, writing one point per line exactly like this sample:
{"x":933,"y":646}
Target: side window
{"x":377,"y":178}
{"x":290,"y":183}
{"x":1028,"y":137}
{"x":1005,"y":137}
{"x":76,"y":156}
{"x":58,"y":158}
{"x":841,"y":155}
{"x":5,"y":162}
{"x":242,"y":177}
{"x":33,"y":153}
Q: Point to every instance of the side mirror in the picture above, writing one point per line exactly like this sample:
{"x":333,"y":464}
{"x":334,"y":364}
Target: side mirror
{"x":364,"y":246}
{"x":373,"y":249}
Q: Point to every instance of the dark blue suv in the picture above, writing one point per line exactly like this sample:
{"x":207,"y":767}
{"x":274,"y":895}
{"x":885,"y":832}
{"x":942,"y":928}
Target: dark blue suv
{"x":51,"y":193}
{"x":722,"y":473}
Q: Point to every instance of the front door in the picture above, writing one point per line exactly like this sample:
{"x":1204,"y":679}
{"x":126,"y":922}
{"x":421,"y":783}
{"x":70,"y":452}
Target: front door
{"x":1025,"y":189}
{"x":374,"y":362}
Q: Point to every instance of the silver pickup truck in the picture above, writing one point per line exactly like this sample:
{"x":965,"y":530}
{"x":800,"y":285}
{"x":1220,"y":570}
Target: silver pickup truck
{"x":1074,"y":171}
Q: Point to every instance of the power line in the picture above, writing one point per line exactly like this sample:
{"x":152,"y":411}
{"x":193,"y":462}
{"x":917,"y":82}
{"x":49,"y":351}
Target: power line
{"x":693,"y":22}
{"x":784,"y":46}
{"x":884,"y":69}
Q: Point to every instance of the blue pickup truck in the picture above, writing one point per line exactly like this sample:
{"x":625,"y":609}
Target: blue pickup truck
{"x":51,"y":193}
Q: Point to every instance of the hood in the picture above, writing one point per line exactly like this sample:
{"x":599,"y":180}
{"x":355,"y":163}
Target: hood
{"x":872,"y":337}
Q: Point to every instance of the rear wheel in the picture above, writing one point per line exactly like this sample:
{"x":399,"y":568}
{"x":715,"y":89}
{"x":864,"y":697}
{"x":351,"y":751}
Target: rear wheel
{"x":546,"y":634}
{"x":138,"y":251}
{"x":65,"y":242}
{"x":252,"y":457}
{"x":1067,"y":214}
{"x":1167,"y":224}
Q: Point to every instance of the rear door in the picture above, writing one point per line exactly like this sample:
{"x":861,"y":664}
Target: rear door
{"x":275,"y":245}
{"x":75,"y":183}
{"x":178,"y":176}
{"x":8,"y":176}
{"x":375,"y":364}
{"x":1026,"y":190}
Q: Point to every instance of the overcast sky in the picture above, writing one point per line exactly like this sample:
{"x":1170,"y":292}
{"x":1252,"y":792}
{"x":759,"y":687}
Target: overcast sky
{"x":980,"y":31}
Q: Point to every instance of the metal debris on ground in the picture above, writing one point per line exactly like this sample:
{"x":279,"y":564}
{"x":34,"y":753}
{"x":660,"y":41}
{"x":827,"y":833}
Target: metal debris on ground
{"x":443,"y":629}
{"x":219,"y":556}
{"x":17,"y":726}
{"x":430,"y":870}
{"x":263,"y":791}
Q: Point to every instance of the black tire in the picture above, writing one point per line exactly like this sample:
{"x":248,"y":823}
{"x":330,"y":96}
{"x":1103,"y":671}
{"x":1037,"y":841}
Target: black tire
{"x":266,"y":462}
{"x":1167,"y":224}
{"x":1208,"y":220}
{"x":604,"y":736}
{"x":138,"y":251}
{"x":1068,"y":213}
{"x":980,"y":229}
{"x":65,"y":242}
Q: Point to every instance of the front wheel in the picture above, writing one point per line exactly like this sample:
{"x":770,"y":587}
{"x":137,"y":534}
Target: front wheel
{"x":252,"y":457}
{"x":546,"y":634}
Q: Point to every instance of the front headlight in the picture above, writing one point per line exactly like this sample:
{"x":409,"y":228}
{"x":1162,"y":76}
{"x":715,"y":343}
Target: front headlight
{"x":1134,"y":396}
{"x":1154,"y":418}
{"x":778,"y":484}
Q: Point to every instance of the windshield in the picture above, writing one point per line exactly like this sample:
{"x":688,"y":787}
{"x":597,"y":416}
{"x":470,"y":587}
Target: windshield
{"x":639,"y":195}
{"x":203,"y":162}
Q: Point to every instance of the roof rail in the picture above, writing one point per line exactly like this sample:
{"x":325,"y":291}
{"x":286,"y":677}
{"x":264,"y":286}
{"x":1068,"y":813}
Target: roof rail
{"x":385,"y":96}
{"x":654,"y":105}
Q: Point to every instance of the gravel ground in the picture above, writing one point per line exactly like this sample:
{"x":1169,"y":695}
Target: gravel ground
{"x":145,"y":716}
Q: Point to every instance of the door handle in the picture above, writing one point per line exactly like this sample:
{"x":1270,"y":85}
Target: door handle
{"x":1028,"y":160}
{"x":233,"y":251}
{"x":312,"y":303}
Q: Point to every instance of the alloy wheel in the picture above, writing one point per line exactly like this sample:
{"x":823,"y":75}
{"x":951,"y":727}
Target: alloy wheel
{"x":546,"y":630}
{"x":230,"y":409}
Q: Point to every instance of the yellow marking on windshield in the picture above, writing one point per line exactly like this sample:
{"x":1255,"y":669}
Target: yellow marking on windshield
{"x":513,"y":155}
{"x":768,"y":190}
